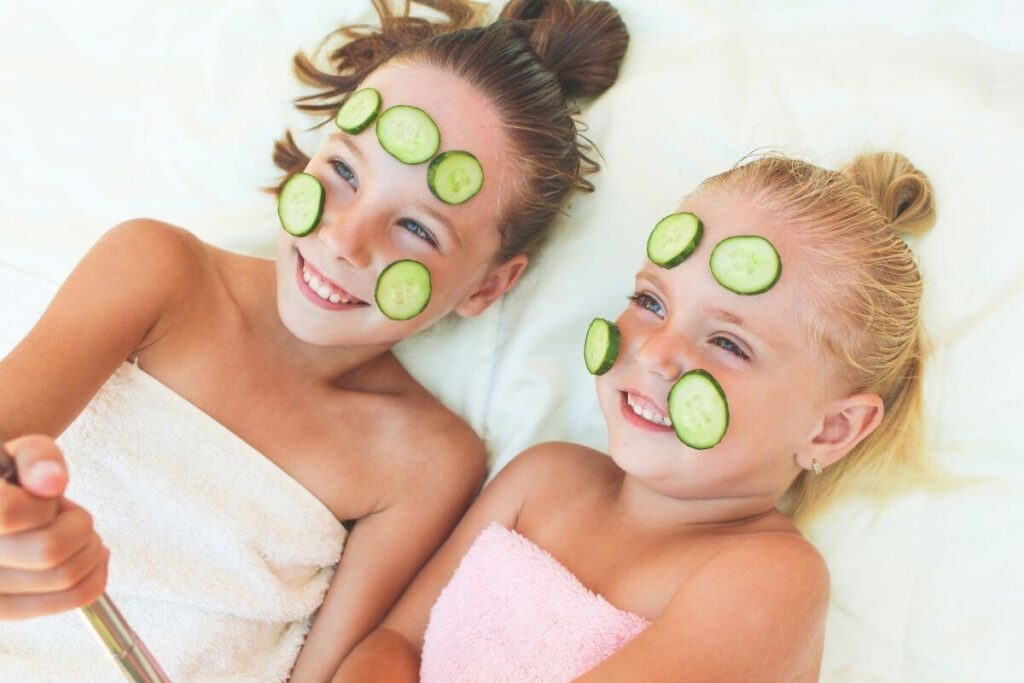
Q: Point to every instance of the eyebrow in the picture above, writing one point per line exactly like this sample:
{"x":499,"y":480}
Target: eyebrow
{"x":347,"y":141}
{"x":442,"y":219}
{"x":717,"y":312}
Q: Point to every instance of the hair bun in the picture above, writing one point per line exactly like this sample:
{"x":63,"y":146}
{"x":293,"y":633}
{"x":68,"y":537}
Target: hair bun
{"x":898,"y":188}
{"x":582,"y":42}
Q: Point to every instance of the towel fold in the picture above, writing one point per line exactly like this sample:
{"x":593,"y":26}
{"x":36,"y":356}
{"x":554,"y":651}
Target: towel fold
{"x":512,"y":612}
{"x":219,"y":558}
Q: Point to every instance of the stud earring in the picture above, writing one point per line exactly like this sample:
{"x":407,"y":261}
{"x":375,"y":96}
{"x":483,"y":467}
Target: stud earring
{"x":816,"y":467}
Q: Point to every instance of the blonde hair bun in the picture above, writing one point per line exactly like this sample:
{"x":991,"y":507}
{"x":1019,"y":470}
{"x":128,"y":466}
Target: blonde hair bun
{"x":898,"y":188}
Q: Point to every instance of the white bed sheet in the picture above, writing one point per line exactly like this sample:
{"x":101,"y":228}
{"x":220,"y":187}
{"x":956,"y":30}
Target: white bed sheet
{"x":112,"y":110}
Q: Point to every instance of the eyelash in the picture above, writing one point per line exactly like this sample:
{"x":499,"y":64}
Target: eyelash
{"x":346,"y":174}
{"x":646,"y":301}
{"x":418,"y":230}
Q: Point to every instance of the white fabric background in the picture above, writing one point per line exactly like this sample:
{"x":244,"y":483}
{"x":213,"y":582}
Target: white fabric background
{"x":115,"y":109}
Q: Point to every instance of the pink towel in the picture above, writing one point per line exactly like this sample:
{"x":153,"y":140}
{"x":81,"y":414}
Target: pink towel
{"x":512,"y":613}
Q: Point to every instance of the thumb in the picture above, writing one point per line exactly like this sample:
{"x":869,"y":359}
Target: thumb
{"x":40,"y":465}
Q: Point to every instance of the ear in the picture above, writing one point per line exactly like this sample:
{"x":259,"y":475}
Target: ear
{"x":847,"y":422}
{"x":499,"y":280}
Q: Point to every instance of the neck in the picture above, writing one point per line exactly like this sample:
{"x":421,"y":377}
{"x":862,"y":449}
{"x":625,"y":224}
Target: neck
{"x":651,"y":509}
{"x":319,"y":364}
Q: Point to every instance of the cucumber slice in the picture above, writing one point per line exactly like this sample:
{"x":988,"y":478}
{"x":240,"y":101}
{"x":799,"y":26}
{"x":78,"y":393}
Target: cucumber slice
{"x":408,"y":134}
{"x":358,"y":111}
{"x":454,"y":177}
{"x":300,"y":204}
{"x":674,"y":238}
{"x":601,"y":347}
{"x":746,"y":264}
{"x":698,"y":409}
{"x":403,"y":289}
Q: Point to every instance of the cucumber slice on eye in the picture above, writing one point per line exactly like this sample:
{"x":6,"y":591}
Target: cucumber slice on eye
{"x":358,"y":111}
{"x":300,"y":204}
{"x":403,"y":289}
{"x":408,"y":134}
{"x":601,"y":347}
{"x":455,"y":177}
{"x":674,"y":238}
{"x":746,"y":264}
{"x":698,"y":410}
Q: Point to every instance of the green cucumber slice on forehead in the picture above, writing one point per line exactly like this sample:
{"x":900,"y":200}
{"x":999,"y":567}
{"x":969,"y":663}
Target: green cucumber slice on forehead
{"x":674,"y":238}
{"x":698,"y":409}
{"x":403,"y":289}
{"x":358,"y":111}
{"x":601,"y":347}
{"x":300,"y":204}
{"x":455,"y":177}
{"x":746,"y":264}
{"x":408,"y":134}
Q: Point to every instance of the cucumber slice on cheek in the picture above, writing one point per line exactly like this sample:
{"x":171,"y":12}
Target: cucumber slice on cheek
{"x":300,"y":204}
{"x":698,"y":409}
{"x":403,"y":289}
{"x":601,"y":347}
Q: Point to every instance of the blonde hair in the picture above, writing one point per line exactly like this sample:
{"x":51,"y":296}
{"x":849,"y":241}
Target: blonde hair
{"x":865,"y":302}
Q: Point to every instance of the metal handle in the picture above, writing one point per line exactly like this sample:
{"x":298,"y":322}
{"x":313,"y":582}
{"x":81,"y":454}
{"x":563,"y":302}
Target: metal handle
{"x":124,"y":646}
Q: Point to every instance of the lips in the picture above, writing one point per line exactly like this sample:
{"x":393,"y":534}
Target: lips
{"x":640,"y":411}
{"x":323,"y":291}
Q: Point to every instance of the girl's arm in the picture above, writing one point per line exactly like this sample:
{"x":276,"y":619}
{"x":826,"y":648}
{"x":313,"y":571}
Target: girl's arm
{"x":754,"y":612}
{"x":392,"y":652}
{"x":121,"y":297}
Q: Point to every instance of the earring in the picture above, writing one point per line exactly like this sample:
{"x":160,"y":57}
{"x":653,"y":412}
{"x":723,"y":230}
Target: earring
{"x":816,"y":467}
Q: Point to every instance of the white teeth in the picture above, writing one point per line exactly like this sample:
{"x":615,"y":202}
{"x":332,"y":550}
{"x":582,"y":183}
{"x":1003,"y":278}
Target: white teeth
{"x":648,"y":413}
{"x":324,"y":290}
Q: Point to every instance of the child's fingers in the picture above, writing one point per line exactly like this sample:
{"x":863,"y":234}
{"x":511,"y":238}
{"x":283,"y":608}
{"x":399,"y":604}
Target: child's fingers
{"x":48,"y":547}
{"x":41,"y":467}
{"x":21,"y":511}
{"x":62,"y":577}
{"x":85,"y":592}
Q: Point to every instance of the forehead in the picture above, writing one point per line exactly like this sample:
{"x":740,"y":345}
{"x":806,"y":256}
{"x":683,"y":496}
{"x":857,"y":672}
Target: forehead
{"x":781,"y":313}
{"x":465,"y":117}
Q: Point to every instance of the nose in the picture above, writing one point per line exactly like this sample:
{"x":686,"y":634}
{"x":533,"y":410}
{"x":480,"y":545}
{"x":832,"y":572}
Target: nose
{"x":661,"y":352}
{"x":347,"y":236}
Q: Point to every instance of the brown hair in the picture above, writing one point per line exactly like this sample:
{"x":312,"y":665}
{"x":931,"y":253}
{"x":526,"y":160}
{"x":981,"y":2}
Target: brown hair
{"x":865,"y":302}
{"x":538,"y":55}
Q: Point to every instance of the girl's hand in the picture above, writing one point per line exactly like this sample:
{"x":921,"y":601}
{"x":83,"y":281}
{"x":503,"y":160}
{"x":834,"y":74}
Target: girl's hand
{"x":51,"y":558}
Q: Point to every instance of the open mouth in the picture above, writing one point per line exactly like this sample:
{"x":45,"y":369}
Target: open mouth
{"x":641,"y":412}
{"x":322,"y":291}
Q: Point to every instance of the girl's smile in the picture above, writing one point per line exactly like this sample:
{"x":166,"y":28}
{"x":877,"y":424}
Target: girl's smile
{"x":642,"y":412}
{"x":321,"y":290}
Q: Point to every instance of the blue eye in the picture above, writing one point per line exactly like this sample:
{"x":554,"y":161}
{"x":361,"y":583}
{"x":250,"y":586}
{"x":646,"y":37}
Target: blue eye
{"x":647,"y":302}
{"x":418,"y":230}
{"x":730,"y":346}
{"x":344,"y":172}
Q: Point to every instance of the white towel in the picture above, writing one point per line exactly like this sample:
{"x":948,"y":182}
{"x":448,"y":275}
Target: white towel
{"x":219,"y":558}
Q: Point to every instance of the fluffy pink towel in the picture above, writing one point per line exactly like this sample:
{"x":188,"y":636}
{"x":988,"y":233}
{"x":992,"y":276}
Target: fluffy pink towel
{"x":512,"y":613}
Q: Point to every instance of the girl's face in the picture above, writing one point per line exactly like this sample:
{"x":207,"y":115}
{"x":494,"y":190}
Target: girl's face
{"x":378,"y":210}
{"x":757,"y":347}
